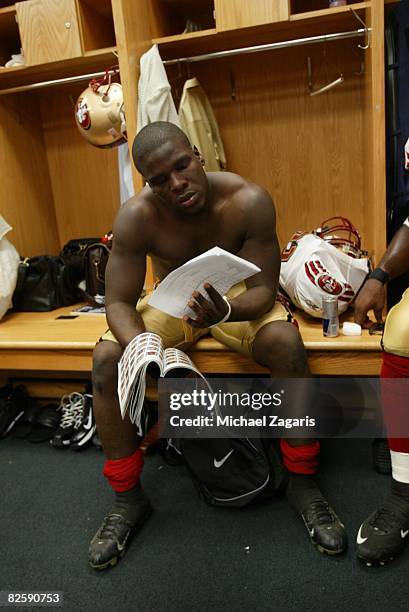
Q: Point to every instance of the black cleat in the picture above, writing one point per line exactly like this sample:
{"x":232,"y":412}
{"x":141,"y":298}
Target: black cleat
{"x":324,"y":527}
{"x":109,"y":543}
{"x":382,"y":536}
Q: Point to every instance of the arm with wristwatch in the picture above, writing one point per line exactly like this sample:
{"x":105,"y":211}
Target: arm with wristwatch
{"x":394,"y":262}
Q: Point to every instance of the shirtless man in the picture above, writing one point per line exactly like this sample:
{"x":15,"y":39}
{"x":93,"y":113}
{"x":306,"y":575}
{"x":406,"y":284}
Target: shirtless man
{"x":181,"y":213}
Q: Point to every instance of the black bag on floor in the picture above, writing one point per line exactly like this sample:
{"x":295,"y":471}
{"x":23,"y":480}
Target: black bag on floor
{"x":45,"y":283}
{"x":233,"y":472}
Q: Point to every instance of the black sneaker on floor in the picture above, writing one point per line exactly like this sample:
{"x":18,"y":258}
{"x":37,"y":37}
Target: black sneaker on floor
{"x":84,"y":426}
{"x":12,"y":408}
{"x":381,"y":456}
{"x":382,"y":536}
{"x":111,"y":540}
{"x":324,"y":527}
{"x":72,"y":410}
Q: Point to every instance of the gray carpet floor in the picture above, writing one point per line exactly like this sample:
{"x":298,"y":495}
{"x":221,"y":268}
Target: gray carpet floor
{"x":189,"y":556}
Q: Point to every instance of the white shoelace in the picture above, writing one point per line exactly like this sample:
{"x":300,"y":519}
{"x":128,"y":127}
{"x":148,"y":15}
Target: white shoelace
{"x":72,"y":408}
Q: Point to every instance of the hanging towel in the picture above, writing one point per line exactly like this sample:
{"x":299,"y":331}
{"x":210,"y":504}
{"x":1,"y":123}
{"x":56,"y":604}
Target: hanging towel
{"x":155,"y":103}
{"x":199,"y":123}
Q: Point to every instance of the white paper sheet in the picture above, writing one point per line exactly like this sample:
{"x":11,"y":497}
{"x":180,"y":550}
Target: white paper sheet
{"x":217,"y":266}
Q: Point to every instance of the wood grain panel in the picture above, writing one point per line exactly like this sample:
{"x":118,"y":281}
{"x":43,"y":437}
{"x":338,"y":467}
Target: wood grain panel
{"x":233,"y":14}
{"x":133,"y":35}
{"x":308,"y":152}
{"x":46,"y":361}
{"x":44,"y":33}
{"x":26,"y":195}
{"x":374,"y":102}
{"x":96,"y":24}
{"x":84,"y":178}
{"x":43,"y":342}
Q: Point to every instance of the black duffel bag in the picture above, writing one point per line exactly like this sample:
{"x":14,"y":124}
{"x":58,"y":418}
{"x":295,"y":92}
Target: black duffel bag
{"x":45,"y":283}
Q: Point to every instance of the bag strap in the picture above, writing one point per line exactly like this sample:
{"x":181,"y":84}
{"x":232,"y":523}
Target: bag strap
{"x":21,"y":274}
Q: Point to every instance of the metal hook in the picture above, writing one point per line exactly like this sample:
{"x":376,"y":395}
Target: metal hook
{"x":315,"y":92}
{"x":367,"y":31}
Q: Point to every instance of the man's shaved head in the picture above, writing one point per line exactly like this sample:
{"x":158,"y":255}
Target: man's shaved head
{"x":154,"y":135}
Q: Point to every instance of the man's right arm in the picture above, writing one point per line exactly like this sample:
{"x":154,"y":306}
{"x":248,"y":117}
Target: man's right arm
{"x":125,"y":273}
{"x":394,"y":263}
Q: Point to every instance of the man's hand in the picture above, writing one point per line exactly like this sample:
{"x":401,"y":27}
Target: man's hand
{"x":372,"y":296}
{"x":208,"y":310}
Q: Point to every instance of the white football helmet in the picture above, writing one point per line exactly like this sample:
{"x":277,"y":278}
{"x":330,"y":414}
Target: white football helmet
{"x":99,"y":112}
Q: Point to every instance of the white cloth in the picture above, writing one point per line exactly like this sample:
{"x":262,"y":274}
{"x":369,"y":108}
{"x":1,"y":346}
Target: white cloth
{"x":312,"y":268}
{"x":155,"y":103}
{"x":9,"y":261}
{"x":126,"y":188}
{"x":199,"y":123}
{"x":406,"y":222}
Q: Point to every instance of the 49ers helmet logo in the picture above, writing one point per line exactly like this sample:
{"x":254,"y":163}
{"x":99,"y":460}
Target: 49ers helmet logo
{"x":82,"y":114}
{"x":320,"y":277}
{"x":329,"y":284}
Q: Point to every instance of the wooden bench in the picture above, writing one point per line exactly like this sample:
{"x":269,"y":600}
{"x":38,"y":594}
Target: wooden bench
{"x":44,"y":346}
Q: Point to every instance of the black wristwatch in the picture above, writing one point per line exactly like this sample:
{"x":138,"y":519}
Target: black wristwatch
{"x":380,"y":275}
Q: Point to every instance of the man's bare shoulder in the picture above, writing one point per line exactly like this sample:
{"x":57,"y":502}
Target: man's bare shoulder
{"x":240,"y":191}
{"x":135,"y":217}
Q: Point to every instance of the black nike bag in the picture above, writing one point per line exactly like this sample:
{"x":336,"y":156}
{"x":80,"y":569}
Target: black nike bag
{"x":233,"y":472}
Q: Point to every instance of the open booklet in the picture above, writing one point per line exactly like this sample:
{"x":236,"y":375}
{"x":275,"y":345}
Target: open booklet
{"x":143,"y":350}
{"x":216,"y":266}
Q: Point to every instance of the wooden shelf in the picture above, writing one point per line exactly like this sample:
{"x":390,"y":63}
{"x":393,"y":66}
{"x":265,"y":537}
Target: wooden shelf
{"x":330,"y":11}
{"x":97,"y":52}
{"x":313,"y":23}
{"x":93,"y":61}
{"x":183,"y":37}
{"x":7,"y":10}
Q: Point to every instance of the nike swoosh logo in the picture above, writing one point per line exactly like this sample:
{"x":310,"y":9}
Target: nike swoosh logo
{"x":218,"y":464}
{"x":121,"y":547}
{"x":88,"y":424}
{"x":359,"y":538}
{"x":404,"y":533}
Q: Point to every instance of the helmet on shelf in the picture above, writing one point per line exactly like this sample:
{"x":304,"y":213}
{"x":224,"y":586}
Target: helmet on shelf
{"x":99,"y":112}
{"x":340,"y":232}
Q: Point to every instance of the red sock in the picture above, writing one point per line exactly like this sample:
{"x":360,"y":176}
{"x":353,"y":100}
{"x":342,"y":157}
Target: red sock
{"x":300,"y":459}
{"x":123,"y":474}
{"x":394,"y":399}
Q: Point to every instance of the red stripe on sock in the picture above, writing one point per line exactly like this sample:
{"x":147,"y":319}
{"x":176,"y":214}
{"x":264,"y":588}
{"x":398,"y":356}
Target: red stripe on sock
{"x":300,"y":459}
{"x":123,"y":474}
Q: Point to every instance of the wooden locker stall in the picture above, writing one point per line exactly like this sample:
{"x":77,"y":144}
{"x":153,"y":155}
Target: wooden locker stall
{"x":55,"y":186}
{"x":318,"y":156}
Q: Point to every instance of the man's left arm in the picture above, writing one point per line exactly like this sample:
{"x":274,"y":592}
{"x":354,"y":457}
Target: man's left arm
{"x":261,"y":248}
